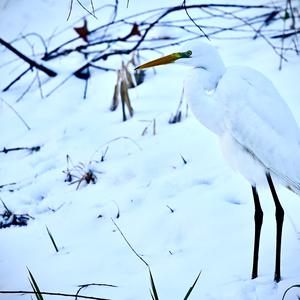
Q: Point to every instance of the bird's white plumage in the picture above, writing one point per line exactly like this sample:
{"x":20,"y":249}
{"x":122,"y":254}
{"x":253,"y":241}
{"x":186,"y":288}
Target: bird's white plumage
{"x":257,"y":130}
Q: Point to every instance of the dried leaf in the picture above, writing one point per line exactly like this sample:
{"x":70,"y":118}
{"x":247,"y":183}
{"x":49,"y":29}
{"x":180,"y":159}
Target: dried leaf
{"x":115,"y":101}
{"x":134,"y":31}
{"x":83,"y":31}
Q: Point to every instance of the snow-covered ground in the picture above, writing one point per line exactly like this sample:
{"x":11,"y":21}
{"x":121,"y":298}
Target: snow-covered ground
{"x":181,"y":218}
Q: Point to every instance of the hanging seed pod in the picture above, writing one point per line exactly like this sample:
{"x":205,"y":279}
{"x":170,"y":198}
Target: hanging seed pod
{"x":83,"y":73}
{"x":130,"y":81}
{"x":129,"y":107}
{"x":178,"y":119}
{"x":171,"y":119}
{"x":123,"y":92}
{"x":132,"y":59}
{"x":175,"y":118}
{"x":125,"y":98}
{"x":116,"y":95}
{"x":139,"y":76}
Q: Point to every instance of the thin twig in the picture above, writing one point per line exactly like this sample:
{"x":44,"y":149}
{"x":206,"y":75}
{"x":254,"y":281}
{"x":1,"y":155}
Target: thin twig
{"x":286,"y":34}
{"x":186,"y":11}
{"x":84,"y":286}
{"x":15,"y":80}
{"x":166,"y":11}
{"x":91,"y":13}
{"x":52,"y":294}
{"x":7,"y":184}
{"x":93,"y":8}
{"x":17,"y":114}
{"x":39,"y":84}
{"x":129,"y":245}
{"x":291,"y":287}
{"x":256,"y":31}
{"x":32,"y":149}
{"x":59,"y":85}
{"x":70,"y":10}
{"x":103,"y":68}
{"x":85,"y":88}
{"x":27,"y":89}
{"x":283,"y":31}
{"x":117,"y":139}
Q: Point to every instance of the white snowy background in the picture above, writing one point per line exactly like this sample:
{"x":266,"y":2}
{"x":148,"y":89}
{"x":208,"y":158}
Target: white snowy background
{"x":211,"y":227}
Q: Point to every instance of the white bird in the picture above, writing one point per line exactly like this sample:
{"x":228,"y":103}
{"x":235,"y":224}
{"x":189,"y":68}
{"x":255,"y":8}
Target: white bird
{"x":258,"y":133}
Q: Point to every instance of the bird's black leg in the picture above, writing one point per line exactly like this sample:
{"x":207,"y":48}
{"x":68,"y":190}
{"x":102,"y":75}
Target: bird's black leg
{"x":258,"y":218}
{"x":279,"y":222}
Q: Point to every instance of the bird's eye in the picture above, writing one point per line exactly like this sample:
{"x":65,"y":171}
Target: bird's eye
{"x":189,"y":53}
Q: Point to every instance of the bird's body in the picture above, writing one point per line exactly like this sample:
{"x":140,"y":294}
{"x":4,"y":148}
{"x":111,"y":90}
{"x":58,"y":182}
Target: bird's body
{"x":257,"y":130}
{"x":258,"y":133}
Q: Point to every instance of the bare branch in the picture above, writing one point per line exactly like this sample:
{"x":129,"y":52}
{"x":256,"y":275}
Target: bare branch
{"x":17,"y":79}
{"x":31,"y":62}
{"x":102,"y":40}
{"x":30,"y":149}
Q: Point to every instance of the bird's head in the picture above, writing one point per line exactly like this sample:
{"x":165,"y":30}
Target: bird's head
{"x":194,"y":54}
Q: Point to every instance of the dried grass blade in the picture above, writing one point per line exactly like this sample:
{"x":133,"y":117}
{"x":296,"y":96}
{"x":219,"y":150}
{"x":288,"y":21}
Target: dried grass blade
{"x":52,"y":239}
{"x":192,"y":287}
{"x":153,"y":288}
{"x":35,"y":286}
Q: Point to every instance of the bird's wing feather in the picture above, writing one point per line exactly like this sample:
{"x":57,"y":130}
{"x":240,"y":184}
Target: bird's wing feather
{"x":245,"y":88}
{"x":256,"y":116}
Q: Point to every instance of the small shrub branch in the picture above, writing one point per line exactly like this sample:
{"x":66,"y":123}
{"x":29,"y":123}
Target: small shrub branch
{"x":31,"y":62}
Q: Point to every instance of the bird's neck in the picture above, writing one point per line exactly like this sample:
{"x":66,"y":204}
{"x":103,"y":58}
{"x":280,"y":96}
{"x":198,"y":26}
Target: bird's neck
{"x":199,"y":89}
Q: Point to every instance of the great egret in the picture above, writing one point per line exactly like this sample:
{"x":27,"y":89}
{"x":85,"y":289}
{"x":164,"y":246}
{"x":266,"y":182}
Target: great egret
{"x":258,"y":133}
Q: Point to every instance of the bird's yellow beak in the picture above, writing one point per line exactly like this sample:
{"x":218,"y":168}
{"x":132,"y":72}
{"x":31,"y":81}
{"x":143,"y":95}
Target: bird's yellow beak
{"x":165,"y":60}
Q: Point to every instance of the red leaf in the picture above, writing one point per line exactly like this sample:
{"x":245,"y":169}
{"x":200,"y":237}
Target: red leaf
{"x":83,"y":31}
{"x":135,"y":30}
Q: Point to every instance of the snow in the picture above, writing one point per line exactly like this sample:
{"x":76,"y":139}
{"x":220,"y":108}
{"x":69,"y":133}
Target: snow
{"x":142,"y":176}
